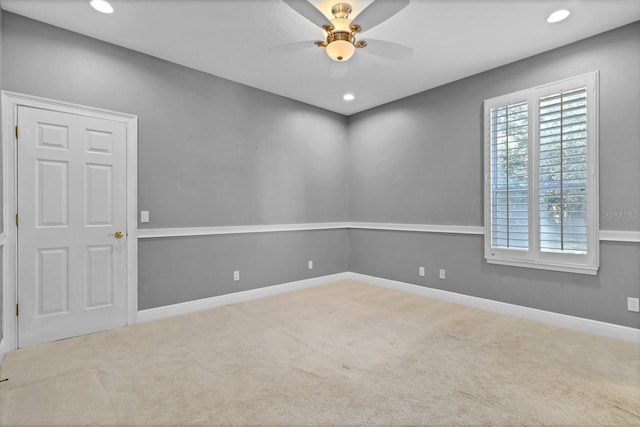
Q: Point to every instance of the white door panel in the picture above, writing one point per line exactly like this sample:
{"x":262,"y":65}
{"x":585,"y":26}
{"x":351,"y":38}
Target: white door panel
{"x":71,"y":202}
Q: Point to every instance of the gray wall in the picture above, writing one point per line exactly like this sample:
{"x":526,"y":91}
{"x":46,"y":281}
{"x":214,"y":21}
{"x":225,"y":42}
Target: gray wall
{"x":211,"y":153}
{"x":420,"y":160}
{"x":397,"y":255}
{"x":263,"y":259}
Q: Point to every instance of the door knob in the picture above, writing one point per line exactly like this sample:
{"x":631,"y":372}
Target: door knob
{"x":118,"y":234}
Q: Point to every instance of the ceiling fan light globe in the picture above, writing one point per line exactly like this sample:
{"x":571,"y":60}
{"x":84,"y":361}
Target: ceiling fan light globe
{"x":340,"y":50}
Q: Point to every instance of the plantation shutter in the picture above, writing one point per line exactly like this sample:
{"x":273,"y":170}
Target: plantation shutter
{"x":509,"y":176}
{"x":563,"y":172}
{"x":541,"y":177}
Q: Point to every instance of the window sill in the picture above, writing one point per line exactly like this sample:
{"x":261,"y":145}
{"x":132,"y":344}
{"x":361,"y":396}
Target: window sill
{"x":565,"y":268}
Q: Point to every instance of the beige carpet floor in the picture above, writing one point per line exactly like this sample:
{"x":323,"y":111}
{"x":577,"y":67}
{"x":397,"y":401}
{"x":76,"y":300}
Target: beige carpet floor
{"x":340,"y":354}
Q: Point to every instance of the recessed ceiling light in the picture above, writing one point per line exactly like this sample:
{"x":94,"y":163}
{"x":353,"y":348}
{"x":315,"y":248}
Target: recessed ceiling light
{"x":558,"y":15}
{"x":348,"y":97}
{"x":101,"y":6}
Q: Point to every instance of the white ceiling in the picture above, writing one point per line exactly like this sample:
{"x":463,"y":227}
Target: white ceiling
{"x":452,"y":39}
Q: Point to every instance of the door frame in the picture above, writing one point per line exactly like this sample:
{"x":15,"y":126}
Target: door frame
{"x":10,"y":103}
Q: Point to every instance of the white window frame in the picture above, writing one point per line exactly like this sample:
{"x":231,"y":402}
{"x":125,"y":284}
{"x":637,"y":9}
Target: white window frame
{"x":533,"y":257}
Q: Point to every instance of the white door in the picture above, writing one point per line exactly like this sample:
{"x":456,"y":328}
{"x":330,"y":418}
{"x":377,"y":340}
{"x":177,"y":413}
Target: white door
{"x":72,"y":225}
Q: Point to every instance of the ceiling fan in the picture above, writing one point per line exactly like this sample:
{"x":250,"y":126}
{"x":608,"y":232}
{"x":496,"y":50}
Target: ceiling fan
{"x":340,"y":41}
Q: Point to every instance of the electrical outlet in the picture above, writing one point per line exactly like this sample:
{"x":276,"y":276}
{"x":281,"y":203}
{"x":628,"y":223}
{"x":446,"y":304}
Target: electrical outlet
{"x":236,"y":276}
{"x":633,"y":304}
{"x":443,"y":274}
{"x":310,"y":265}
{"x":421,"y":271}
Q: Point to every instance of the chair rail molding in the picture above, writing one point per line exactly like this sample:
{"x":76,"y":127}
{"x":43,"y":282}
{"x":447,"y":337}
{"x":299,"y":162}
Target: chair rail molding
{"x":474,"y":230}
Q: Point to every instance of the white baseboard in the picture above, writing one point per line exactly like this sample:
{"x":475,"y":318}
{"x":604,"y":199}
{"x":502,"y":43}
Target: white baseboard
{"x":571,"y":322}
{"x":201,"y":304}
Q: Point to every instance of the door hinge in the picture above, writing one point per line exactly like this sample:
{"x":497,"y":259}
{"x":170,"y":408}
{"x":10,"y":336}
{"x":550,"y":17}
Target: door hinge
{"x":17,"y":309}
{"x":16,"y":132}
{"x":17,"y":220}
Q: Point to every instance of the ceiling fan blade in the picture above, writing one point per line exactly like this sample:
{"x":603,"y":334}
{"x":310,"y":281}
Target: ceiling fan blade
{"x":388,"y":50}
{"x":378,"y":12}
{"x":292,"y":47}
{"x":309,"y":11}
{"x":338,"y":70}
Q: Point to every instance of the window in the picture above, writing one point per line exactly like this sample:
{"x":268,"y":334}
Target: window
{"x":541,"y":183}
